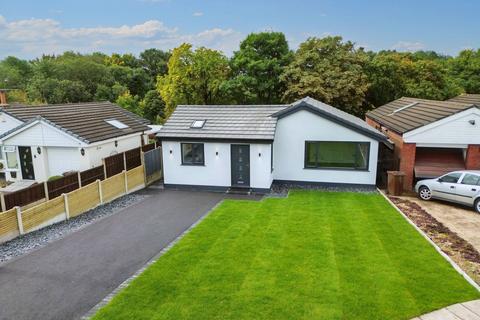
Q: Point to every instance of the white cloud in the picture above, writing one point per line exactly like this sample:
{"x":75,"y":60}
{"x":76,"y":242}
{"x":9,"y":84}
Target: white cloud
{"x":33,"y":37}
{"x":198,"y":14}
{"x":408,"y":46}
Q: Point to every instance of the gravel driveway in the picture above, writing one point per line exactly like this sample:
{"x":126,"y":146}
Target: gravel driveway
{"x":67,"y":277}
{"x":461,"y":220}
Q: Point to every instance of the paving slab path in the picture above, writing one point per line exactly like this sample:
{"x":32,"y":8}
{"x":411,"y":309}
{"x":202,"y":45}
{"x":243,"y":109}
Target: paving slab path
{"x":67,"y":277}
{"x":460,"y":311}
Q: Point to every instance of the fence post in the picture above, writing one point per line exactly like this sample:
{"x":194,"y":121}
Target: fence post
{"x":124,"y":161}
{"x":19,"y":220}
{"x":79,"y":177}
{"x":104,"y":169}
{"x":67,"y":209}
{"x":126,"y":180}
{"x":100,"y":192}
{"x":2,"y":201}
{"x":142,"y":160}
{"x":45,"y":188}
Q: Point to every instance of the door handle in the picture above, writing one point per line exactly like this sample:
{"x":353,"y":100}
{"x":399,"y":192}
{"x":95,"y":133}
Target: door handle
{"x":474,"y":189}
{"x":452,"y":187}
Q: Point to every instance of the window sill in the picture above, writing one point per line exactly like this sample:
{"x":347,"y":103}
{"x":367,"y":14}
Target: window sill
{"x":193,"y":164}
{"x":337,"y":169}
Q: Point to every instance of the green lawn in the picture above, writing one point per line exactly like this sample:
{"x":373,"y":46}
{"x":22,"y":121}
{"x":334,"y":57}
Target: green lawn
{"x":313,"y":255}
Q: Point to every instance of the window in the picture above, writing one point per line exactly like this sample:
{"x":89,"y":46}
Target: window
{"x":198,"y":124}
{"x":117,"y":124}
{"x":192,"y":154}
{"x":337,"y":155}
{"x":471,"y":179}
{"x":451,"y":178}
{"x":11,"y":156}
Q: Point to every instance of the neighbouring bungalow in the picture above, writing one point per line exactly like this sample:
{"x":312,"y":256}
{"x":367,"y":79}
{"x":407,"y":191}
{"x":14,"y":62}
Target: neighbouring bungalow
{"x":221,"y":147}
{"x":38,"y":142}
{"x":431,"y":137}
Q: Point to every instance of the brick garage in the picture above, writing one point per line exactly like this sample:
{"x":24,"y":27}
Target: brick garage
{"x":431,"y":137}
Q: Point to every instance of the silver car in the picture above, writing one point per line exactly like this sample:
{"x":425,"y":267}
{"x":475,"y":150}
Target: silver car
{"x":459,"y":186}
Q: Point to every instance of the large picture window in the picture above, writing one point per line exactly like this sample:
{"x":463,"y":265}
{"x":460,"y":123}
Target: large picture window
{"x":337,"y":155}
{"x":192,"y":154}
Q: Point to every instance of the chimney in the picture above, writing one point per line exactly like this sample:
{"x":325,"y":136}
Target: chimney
{"x":3,"y":97}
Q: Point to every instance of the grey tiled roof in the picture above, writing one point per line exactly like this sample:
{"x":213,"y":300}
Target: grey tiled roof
{"x":467,"y":98}
{"x":248,"y":122}
{"x":85,"y":121}
{"x":419,"y":112}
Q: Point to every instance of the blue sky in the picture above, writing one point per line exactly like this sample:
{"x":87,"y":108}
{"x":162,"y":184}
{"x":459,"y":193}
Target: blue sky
{"x":30,"y":28}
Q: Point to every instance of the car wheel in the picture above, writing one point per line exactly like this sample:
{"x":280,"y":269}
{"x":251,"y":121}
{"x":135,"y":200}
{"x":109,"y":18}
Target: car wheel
{"x":424,"y":193}
{"x":477,"y":205}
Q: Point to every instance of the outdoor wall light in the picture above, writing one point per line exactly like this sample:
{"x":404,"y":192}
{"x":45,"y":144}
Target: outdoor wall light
{"x":216,"y":153}
{"x":82,"y":152}
{"x":39,"y":150}
{"x":472,"y":122}
{"x":116,"y":143}
{"x":171,"y":151}
{"x":259,"y":154}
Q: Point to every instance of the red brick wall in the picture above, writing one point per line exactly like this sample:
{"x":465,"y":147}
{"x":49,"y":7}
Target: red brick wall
{"x":407,"y":163}
{"x":472,"y":160}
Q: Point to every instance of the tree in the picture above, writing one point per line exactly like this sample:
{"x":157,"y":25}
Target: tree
{"x":14,"y":73}
{"x":329,"y":70}
{"x":153,"y":107}
{"x":257,"y":67}
{"x":194,"y":77}
{"x":155,"y":62}
{"x":129,"y":102}
{"x":465,"y":68}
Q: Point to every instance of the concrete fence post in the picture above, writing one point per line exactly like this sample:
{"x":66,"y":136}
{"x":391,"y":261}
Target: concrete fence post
{"x":126,"y":180}
{"x":45,"y":188}
{"x":142,"y":158}
{"x":124,"y":161}
{"x":67,"y":209}
{"x":19,"y":220}
{"x":104,"y":169}
{"x":79,"y":177}
{"x":2,"y":201}
{"x":100,"y":192}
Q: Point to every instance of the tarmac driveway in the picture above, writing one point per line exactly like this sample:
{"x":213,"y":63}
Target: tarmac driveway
{"x":460,"y":219}
{"x":68,"y":277}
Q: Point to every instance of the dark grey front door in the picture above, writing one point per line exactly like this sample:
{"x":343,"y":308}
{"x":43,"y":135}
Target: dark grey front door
{"x":26,"y":163}
{"x":240,"y":158}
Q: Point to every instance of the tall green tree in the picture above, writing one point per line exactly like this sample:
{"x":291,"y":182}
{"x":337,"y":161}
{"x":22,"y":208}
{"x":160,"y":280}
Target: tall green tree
{"x":153,"y":107}
{"x":15,"y":73}
{"x":194,"y":77}
{"x":329,"y":70}
{"x":257,"y":67}
{"x":155,"y":62}
{"x":465,"y":68}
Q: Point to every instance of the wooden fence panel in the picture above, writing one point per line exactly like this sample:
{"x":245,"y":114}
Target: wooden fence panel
{"x":114,"y":164}
{"x":44,"y":214}
{"x":133,"y":158}
{"x":8,"y":225}
{"x":83,"y":199}
{"x":26,"y":196}
{"x":148,"y":147}
{"x":65,"y":184}
{"x":113,"y":187}
{"x":92,"y":175}
{"x":135,"y":178}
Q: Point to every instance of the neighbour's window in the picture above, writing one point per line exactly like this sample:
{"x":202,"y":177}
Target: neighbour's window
{"x":451,"y":178}
{"x":471,"y":179}
{"x":192,"y":154}
{"x":12,"y":161}
{"x":337,"y":155}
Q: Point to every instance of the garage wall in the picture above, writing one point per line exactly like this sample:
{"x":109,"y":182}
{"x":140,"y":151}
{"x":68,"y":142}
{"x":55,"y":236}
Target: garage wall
{"x":289,"y":150}
{"x":96,"y":153}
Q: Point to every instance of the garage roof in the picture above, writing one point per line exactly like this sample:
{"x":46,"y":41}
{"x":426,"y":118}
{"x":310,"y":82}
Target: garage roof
{"x":406,"y":114}
{"x":467,"y":98}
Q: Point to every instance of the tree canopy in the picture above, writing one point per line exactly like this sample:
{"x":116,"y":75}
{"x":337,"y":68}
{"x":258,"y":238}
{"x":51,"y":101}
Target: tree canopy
{"x":264,"y":70}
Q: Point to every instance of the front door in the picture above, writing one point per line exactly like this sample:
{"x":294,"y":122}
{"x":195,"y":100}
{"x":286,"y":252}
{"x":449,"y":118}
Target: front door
{"x":240,"y":158}
{"x":26,"y":163}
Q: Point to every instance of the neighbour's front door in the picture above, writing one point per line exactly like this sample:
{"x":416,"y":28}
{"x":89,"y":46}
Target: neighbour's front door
{"x":240,"y":162}
{"x":26,"y":163}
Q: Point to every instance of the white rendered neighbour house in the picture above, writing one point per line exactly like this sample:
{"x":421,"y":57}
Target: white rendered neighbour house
{"x":38,"y":142}
{"x":220,"y":147}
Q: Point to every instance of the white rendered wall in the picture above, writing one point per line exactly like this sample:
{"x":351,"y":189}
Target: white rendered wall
{"x":94,"y":154}
{"x":217,"y":169}
{"x":8,"y":123}
{"x":289,"y":150}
